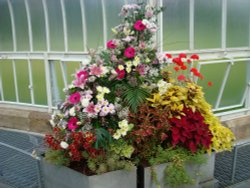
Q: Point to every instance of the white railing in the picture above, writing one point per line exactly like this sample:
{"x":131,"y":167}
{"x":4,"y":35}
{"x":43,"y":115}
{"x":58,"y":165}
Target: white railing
{"x":51,"y":58}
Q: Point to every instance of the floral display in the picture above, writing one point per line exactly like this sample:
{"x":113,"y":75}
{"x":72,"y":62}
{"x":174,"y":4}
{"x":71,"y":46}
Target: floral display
{"x":131,"y":100}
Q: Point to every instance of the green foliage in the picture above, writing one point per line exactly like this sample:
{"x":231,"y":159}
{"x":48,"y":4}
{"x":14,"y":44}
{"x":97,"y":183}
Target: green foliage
{"x":56,"y":157}
{"x":110,"y":162}
{"x":121,"y":148}
{"x":135,"y":96}
{"x":103,"y":138}
{"x":175,"y":173}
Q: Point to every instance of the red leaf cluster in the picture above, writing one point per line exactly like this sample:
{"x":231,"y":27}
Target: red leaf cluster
{"x":190,"y":131}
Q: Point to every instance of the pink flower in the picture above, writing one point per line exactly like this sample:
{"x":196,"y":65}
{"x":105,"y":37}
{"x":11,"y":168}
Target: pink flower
{"x":181,"y":77}
{"x":75,"y":98}
{"x":90,"y":109}
{"x":82,"y":75}
{"x":95,"y":70}
{"x":111,"y":44}
{"x":120,"y":74}
{"x":72,"y":123}
{"x":139,"y":26}
{"x":81,"y":78}
{"x":129,"y":52}
{"x":142,"y":69}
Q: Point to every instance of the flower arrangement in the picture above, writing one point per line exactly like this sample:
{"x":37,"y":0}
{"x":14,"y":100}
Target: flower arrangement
{"x":134,"y":106}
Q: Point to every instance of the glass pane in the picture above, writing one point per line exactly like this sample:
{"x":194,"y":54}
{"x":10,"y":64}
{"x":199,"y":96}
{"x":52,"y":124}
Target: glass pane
{"x":56,"y":25}
{"x":113,"y":8}
{"x":8,"y":80}
{"x":238,"y":13}
{"x":21,"y":25}
{"x":5,"y":32}
{"x":23,"y":81}
{"x":176,"y":25}
{"x":72,"y":67}
{"x":39,"y":82}
{"x":215,"y":74}
{"x":38,"y":25}
{"x":74,"y":22}
{"x":207,"y":24}
{"x":236,"y":84}
{"x":93,"y":12}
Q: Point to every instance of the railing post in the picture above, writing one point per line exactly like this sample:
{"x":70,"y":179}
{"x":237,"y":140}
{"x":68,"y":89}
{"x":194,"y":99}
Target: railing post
{"x":247,"y":102}
{"x":54,"y":84}
{"x":48,"y":82}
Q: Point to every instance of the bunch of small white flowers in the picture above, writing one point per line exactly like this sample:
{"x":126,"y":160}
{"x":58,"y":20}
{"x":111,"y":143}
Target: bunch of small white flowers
{"x":124,"y":127}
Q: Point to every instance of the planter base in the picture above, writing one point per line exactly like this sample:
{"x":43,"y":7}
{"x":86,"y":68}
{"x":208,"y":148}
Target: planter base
{"x":63,"y":177}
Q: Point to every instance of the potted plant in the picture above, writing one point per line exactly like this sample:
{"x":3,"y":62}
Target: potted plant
{"x":176,"y":130}
{"x":126,"y":108}
{"x":90,"y":126}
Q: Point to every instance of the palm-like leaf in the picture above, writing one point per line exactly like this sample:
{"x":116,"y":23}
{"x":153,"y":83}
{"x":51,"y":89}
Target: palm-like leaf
{"x":135,"y":96}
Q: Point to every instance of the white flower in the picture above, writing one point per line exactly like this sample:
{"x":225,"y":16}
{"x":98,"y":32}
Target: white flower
{"x":72,"y":111}
{"x":163,"y":86}
{"x":98,"y":108}
{"x":117,"y":135}
{"x":136,"y":61}
{"x":85,"y":102}
{"x":100,"y":97}
{"x":153,"y":72}
{"x":123,"y":123}
{"x":106,"y":90}
{"x":146,"y":22}
{"x":99,"y":89}
{"x":52,"y":123}
{"x":111,"y":108}
{"x":92,"y":78}
{"x":120,"y":67}
{"x":64,"y":145}
{"x":128,"y":69}
{"x":105,"y":70}
{"x":123,"y":131}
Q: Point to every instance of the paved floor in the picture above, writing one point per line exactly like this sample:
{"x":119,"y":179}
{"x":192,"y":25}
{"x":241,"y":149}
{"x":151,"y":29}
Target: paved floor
{"x":18,"y":169}
{"x":4,"y":185}
{"x":244,"y":184}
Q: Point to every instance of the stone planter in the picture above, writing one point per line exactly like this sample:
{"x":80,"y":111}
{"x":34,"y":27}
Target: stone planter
{"x":63,"y":177}
{"x":203,"y":175}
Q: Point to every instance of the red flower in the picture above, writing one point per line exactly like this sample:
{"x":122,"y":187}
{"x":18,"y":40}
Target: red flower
{"x":183,"y":67}
{"x":169,"y":56}
{"x":111,"y":44}
{"x":176,"y":68}
{"x":181,"y":77}
{"x":129,"y":52}
{"x":120,"y":74}
{"x":178,"y":61}
{"x":139,"y":26}
{"x":199,"y":75}
{"x":193,"y":70}
{"x":210,"y":84}
{"x":195,"y":57}
{"x":182,"y":55}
